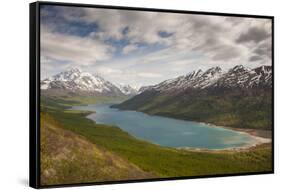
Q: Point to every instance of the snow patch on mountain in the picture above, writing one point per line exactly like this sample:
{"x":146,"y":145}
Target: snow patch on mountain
{"x":238,"y":76}
{"x":195,"y":79}
{"x":76,"y":80}
{"x":127,"y":89}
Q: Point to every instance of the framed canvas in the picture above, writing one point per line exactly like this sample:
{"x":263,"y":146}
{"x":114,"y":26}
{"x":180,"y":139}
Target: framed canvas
{"x":125,"y":94}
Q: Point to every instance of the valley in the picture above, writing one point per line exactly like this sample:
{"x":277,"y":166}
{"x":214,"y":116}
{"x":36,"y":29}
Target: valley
{"x":76,"y":147}
{"x":239,"y":98}
{"x":147,"y":95}
{"x":159,"y":162}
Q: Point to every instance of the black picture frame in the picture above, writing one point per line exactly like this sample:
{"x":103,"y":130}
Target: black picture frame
{"x":34,"y":91}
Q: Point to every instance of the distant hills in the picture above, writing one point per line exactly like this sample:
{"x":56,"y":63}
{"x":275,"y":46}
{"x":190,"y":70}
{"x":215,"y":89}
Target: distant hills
{"x":77,"y":82}
{"x":240,"y":97}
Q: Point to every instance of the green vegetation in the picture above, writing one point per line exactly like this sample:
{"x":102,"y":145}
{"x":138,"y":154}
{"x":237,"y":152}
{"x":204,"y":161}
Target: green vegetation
{"x":152,"y":159}
{"x":240,"y":110}
{"x":69,"y":158}
{"x":75,"y":100}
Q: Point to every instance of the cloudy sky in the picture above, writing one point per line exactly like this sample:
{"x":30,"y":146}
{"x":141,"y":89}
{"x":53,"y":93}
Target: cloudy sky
{"x":144,"y":48}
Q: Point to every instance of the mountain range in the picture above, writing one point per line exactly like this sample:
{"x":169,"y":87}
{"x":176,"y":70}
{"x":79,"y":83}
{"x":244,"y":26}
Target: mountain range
{"x":240,"y":97}
{"x":236,"y":77}
{"x":78,"y":82}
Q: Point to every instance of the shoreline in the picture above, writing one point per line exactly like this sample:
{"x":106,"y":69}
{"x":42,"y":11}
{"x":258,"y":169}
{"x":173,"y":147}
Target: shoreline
{"x":259,"y":137}
{"x":267,"y":134}
{"x":253,"y":132}
{"x":225,"y":150}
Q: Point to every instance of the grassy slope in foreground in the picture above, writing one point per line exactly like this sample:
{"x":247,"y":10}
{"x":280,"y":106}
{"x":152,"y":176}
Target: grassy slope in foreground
{"x":70,"y":158}
{"x":231,"y":109}
{"x":162,"y":161}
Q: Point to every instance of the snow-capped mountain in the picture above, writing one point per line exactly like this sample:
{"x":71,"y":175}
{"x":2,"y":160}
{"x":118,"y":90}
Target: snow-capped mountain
{"x":238,"y":76}
{"x":264,"y":76}
{"x":144,"y":88}
{"x":195,"y":79}
{"x":243,"y":77}
{"x":226,"y":98}
{"x":127,"y":89}
{"x":77,"y":81}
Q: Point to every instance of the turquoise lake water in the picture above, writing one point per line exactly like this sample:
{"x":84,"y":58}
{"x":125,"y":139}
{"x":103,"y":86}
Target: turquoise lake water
{"x":167,"y":131}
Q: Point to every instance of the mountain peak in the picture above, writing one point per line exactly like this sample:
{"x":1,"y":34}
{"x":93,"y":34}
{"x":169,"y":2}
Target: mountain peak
{"x":239,"y":68}
{"x":243,"y":77}
{"x":77,"y":81}
{"x":127,"y":89}
{"x":213,"y":70}
{"x":263,"y":69}
{"x":197,"y":73}
{"x":74,"y":70}
{"x":217,"y":69}
{"x":238,"y":76}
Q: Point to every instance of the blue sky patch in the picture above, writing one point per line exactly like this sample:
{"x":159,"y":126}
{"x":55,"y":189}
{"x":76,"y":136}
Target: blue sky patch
{"x":165,"y":34}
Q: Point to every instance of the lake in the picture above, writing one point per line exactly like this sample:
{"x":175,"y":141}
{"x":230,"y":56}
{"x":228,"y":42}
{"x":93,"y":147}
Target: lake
{"x":167,"y":131}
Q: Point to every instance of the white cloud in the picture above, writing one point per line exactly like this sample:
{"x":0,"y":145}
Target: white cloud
{"x":74,"y":49}
{"x":195,"y":41}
